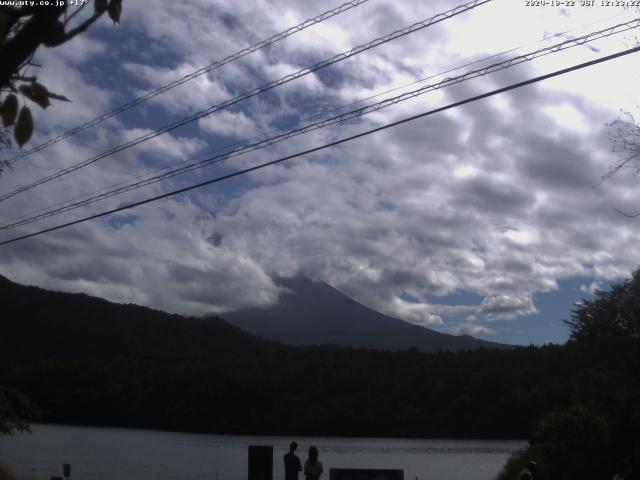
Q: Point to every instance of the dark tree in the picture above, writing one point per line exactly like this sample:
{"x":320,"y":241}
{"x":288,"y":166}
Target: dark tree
{"x":613,"y":314}
{"x":22,"y":31}
{"x":15,"y":410}
{"x":624,"y":133}
{"x":590,"y":438}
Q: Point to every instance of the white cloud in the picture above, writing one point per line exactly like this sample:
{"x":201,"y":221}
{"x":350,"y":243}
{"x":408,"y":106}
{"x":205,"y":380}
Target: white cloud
{"x":229,"y":124}
{"x":165,"y":147}
{"x":592,"y":288}
{"x":506,"y":307}
{"x":157,"y":256}
{"x":494,"y":197}
{"x":569,"y":117}
{"x":470,"y":329}
{"x":416,"y":313}
{"x":195,"y":95}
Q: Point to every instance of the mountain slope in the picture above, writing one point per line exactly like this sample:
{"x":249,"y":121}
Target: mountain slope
{"x":314,"y":313}
{"x":42,"y":324}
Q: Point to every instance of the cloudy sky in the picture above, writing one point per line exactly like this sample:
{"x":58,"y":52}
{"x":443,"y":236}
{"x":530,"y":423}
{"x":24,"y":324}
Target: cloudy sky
{"x":488,"y":219}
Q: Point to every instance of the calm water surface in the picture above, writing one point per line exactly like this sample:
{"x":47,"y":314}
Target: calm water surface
{"x":126,"y":454}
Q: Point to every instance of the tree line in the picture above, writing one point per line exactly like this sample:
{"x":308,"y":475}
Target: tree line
{"x":600,"y":429}
{"x":306,"y":391}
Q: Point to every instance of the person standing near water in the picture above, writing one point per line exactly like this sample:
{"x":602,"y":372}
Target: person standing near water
{"x":292,"y":463}
{"x":313,"y":466}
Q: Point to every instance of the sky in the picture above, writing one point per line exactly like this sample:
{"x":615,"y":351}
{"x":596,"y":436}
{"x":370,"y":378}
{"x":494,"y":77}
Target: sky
{"x":489,"y":219}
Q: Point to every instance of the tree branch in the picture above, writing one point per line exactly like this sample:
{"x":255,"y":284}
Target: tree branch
{"x":23,"y":79}
{"x":78,"y":10}
{"x":37,"y":30}
{"x":79,"y":29}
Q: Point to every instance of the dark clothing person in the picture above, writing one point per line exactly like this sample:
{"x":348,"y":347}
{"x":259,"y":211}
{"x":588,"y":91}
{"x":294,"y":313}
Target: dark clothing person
{"x":313,"y":466}
{"x":292,"y":463}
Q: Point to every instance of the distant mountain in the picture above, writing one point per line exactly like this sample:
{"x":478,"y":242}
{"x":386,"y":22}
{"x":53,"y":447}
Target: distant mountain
{"x":314,"y":313}
{"x":84,"y":360}
{"x":42,"y":324}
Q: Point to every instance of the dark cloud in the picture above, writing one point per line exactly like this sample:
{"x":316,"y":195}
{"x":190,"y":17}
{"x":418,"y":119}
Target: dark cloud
{"x":487,"y":192}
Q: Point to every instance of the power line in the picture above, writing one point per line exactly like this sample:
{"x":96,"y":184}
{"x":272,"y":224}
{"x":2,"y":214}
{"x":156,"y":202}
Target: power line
{"x":197,"y":73}
{"x":328,"y":145}
{"x":269,"y":86}
{"x":329,"y":121}
{"x":317,"y":115}
{"x":83,"y":200}
{"x":422,"y":80}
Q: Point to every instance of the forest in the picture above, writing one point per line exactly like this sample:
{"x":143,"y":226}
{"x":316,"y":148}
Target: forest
{"x":306,"y":391}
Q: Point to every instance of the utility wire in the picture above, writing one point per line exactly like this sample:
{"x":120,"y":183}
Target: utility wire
{"x":330,"y":144}
{"x":269,"y":86}
{"x":186,"y":78}
{"x":313,"y":117}
{"x":332,"y":120}
{"x":482,"y":60}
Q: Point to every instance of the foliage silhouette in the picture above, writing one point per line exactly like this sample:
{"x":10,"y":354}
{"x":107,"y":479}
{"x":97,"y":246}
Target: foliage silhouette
{"x":590,"y":438}
{"x":23,"y":29}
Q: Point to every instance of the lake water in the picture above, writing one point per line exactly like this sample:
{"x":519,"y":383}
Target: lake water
{"x":127,"y":454}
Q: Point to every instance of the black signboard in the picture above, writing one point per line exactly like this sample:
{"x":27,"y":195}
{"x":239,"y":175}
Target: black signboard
{"x":365,"y":474}
{"x":260,"y":462}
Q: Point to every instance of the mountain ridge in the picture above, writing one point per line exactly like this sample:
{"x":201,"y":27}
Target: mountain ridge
{"x":314,"y":313}
{"x":44,"y":324}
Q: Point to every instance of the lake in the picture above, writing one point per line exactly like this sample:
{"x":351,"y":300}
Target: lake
{"x":128,"y":454}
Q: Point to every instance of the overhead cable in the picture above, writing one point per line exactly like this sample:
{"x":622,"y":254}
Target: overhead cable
{"x":195,"y":74}
{"x":327,"y":145}
{"x":353,"y":114}
{"x":264,"y":88}
{"x":315,"y":116}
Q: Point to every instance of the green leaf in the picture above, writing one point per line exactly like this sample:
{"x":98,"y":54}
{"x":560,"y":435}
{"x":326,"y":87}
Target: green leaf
{"x":36,"y":92}
{"x":9,"y":110}
{"x":24,"y":126}
{"x":115,"y":10}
